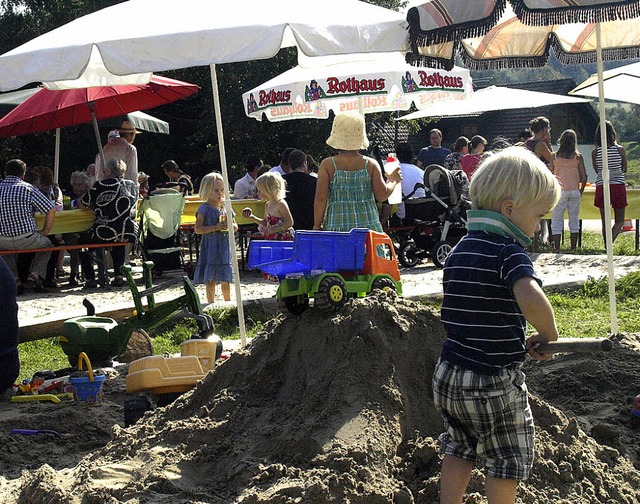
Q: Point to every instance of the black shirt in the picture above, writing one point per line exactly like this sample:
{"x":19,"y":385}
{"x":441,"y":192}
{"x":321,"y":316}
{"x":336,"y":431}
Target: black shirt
{"x":301,"y":192}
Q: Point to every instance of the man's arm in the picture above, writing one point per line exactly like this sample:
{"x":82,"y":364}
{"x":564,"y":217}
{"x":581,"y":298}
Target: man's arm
{"x":48,"y":221}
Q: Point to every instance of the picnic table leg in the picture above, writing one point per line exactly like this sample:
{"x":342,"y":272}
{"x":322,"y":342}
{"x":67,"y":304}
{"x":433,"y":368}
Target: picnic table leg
{"x":100,"y":260}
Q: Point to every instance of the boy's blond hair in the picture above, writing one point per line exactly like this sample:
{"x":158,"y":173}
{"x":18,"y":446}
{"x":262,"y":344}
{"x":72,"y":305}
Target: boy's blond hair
{"x":206,"y":186}
{"x":272,"y":185}
{"x":514,"y":174}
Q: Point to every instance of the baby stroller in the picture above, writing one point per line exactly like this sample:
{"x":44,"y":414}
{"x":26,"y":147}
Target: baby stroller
{"x":438,"y":220}
{"x":160,"y":216}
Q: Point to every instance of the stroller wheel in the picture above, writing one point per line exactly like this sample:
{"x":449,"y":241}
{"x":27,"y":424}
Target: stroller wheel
{"x":441,"y":251}
{"x":408,"y":254}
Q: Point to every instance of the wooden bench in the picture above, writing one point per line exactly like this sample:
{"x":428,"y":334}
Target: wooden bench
{"x":97,"y":255}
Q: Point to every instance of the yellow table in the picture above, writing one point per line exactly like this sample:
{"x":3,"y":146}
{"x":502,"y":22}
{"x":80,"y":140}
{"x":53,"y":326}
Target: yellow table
{"x":68,"y":221}
{"x":193,"y":202}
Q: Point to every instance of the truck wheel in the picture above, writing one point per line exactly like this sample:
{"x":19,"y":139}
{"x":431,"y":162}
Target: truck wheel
{"x":441,"y":251}
{"x":408,"y":254}
{"x":384,"y":284}
{"x":296,"y":304}
{"x":331,"y":295}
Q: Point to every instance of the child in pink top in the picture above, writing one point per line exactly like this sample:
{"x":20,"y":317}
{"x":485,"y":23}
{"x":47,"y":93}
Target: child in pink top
{"x":568,"y":167}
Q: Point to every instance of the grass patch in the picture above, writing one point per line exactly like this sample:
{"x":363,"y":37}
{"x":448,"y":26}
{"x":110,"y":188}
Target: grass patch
{"x":46,"y":354}
{"x":592,"y":244}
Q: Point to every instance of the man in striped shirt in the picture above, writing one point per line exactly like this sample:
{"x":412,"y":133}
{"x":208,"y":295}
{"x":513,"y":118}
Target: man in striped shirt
{"x":490,"y":292}
{"x":19,"y":201}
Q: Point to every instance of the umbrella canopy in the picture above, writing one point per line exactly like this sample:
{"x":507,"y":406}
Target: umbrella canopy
{"x":522,"y":34}
{"x":131,"y":40}
{"x":199,"y":32}
{"x":373,"y":82}
{"x":46,"y":110}
{"x":494,"y":98}
{"x":142,"y":121}
{"x":620,"y":84}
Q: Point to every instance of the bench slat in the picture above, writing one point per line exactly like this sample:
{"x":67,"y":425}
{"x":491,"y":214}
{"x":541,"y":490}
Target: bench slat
{"x":65,"y":247}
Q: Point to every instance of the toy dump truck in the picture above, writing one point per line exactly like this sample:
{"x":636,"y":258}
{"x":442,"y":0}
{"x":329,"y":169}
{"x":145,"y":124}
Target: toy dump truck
{"x":328,"y":266}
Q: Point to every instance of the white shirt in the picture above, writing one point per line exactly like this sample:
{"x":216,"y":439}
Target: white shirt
{"x":278,"y":169}
{"x":245,"y":188}
{"x":411,"y":175}
{"x":119,"y":148}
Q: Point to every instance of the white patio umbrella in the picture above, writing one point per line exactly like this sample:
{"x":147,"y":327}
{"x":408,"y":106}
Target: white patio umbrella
{"x":522,"y":34}
{"x":493,"y":98}
{"x":365,"y":82}
{"x":157,"y":35}
{"x":621,"y":84}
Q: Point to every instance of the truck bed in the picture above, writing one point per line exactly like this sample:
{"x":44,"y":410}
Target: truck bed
{"x":330,"y":251}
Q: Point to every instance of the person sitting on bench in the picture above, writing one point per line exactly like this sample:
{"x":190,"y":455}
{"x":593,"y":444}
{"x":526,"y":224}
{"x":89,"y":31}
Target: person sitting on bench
{"x":113,"y":201}
{"x":19,"y":201}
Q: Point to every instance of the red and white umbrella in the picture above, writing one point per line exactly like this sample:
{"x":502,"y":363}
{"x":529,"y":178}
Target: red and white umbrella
{"x":47,"y":110}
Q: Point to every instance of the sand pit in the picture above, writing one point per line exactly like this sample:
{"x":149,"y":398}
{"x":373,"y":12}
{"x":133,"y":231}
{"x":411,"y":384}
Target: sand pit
{"x":325,"y":409}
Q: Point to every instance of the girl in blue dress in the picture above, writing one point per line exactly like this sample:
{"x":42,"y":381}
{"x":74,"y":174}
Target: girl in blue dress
{"x":214,"y":261}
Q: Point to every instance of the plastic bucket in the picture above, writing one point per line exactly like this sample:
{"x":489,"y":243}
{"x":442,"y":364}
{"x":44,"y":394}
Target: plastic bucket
{"x":87,"y":389}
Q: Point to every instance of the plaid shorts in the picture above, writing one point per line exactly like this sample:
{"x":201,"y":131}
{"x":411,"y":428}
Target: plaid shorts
{"x":486,"y":417}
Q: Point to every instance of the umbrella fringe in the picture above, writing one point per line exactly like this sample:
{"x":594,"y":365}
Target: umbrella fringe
{"x":582,"y":14}
{"x":613,"y":54}
{"x":469,"y":29}
{"x":609,"y":54}
{"x":429,"y":61}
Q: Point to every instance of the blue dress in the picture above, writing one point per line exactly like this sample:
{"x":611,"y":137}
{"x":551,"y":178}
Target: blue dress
{"x":214,"y":263}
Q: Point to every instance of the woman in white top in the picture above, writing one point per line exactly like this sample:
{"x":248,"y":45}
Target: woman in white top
{"x":617,"y":162}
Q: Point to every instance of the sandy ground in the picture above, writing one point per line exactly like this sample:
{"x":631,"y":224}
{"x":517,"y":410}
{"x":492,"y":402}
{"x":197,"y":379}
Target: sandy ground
{"x":324,"y":408}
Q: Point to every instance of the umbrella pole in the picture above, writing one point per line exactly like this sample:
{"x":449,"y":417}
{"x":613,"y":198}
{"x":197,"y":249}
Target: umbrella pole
{"x":227,"y":204}
{"x":605,"y":187}
{"x":97,"y":132}
{"x":56,"y":161}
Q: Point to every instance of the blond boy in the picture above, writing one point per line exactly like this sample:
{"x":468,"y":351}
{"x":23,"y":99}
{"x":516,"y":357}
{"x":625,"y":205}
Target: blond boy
{"x":490,"y":292}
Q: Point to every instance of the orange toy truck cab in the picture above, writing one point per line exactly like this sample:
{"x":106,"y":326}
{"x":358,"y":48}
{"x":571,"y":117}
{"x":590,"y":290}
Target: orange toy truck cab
{"x":380,"y":257}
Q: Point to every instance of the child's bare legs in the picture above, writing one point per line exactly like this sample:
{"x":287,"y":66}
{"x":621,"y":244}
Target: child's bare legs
{"x":454,"y":478}
{"x":226,"y":290}
{"x":500,"y":490}
{"x":211,"y":291}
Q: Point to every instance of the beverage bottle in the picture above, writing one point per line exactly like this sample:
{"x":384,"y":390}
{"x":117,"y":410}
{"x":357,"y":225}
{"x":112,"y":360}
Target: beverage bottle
{"x":389,"y":167}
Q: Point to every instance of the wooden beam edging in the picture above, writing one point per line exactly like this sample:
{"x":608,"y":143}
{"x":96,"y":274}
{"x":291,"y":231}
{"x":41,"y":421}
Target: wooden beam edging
{"x":46,"y":327}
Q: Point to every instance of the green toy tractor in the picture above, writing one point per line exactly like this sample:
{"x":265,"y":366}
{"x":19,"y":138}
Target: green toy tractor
{"x":103,"y":338}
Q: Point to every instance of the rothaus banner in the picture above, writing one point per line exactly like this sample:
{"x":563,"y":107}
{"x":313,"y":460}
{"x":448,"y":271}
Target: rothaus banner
{"x":381,"y":84}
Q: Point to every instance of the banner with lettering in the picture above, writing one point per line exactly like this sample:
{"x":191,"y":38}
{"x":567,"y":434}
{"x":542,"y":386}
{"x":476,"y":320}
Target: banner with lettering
{"x":383,"y":83}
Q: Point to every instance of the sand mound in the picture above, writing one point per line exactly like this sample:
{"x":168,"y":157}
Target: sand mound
{"x":333,"y":409}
